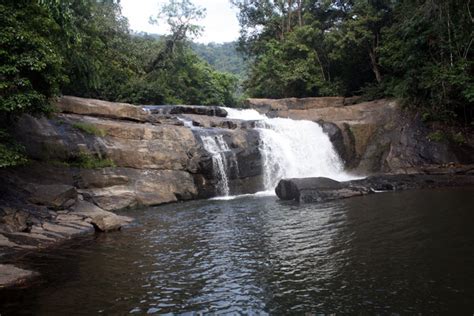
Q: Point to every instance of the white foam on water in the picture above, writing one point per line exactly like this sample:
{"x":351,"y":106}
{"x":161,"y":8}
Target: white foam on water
{"x":233,"y":197}
{"x":217,"y":147}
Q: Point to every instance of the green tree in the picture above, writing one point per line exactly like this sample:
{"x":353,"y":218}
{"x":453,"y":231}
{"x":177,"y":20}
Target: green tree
{"x":30,"y":66}
{"x":428,"y":53}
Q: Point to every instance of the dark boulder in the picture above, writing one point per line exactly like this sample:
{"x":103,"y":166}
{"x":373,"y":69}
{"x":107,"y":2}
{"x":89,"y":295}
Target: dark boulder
{"x":315,"y":190}
{"x":309,"y":190}
{"x":336,"y":137}
{"x":55,"y":196}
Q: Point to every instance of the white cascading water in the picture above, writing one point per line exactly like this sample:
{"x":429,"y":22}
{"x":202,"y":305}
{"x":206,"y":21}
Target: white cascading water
{"x":293,"y":149}
{"x":217,"y":147}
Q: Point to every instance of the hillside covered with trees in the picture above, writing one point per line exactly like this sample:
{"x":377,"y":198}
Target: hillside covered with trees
{"x":85,"y":48}
{"x":419,"y":51}
{"x":223,"y":57}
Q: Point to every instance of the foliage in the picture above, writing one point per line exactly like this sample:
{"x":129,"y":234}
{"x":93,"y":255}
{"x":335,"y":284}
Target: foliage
{"x":181,"y":17}
{"x":30,"y":67}
{"x":11,"y":153}
{"x":418,"y":51}
{"x":222,"y":57}
{"x":88,"y":161}
{"x":85,"y":48}
{"x":89,"y":129}
{"x":428,"y":52}
{"x":437,"y":136}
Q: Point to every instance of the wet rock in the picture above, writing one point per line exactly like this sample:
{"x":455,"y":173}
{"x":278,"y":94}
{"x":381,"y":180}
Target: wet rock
{"x":64,"y":230}
{"x":308,"y":190}
{"x":11,"y":275}
{"x":336,"y":137}
{"x":14,"y":220}
{"x":55,"y":196}
{"x":213,"y":121}
{"x":102,"y":220}
{"x":187,"y":109}
{"x":314,"y":190}
{"x":7,"y":243}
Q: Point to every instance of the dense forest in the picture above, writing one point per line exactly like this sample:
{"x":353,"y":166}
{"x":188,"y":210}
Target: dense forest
{"x":85,"y":48}
{"x":418,"y":51}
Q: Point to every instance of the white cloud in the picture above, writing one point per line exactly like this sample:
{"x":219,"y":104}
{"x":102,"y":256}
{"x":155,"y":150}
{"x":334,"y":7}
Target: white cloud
{"x":220,"y":24}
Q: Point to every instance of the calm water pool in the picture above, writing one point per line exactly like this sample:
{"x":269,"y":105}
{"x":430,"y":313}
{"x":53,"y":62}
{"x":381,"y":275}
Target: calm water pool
{"x":387,"y":253}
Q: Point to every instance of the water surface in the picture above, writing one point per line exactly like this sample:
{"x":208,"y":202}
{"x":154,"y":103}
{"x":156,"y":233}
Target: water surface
{"x":387,"y":253}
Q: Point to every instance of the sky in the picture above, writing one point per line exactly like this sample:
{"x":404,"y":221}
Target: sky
{"x":220,"y":24}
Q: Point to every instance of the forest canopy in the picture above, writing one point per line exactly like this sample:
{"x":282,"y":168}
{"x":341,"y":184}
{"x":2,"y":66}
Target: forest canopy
{"x":419,"y":51}
{"x":85,"y":48}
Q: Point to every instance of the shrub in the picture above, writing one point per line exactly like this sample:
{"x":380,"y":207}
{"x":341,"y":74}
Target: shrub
{"x":89,"y":129}
{"x":88,"y":161}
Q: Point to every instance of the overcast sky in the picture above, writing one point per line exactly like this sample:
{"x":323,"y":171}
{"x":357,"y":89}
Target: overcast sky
{"x":221,"y":24}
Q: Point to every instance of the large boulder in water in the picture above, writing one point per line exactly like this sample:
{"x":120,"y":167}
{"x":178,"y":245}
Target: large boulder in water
{"x":319,"y":189}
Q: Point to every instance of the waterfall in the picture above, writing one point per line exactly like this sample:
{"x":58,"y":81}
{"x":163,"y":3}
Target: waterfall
{"x":217,"y":147}
{"x":293,"y":149}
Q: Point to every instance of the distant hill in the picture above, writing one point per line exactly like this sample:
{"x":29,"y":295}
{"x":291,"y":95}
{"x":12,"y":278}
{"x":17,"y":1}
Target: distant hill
{"x":223,"y":57}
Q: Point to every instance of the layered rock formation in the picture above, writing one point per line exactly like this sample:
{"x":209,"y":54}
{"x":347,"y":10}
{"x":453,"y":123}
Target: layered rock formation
{"x":377,"y":136}
{"x":93,"y":157}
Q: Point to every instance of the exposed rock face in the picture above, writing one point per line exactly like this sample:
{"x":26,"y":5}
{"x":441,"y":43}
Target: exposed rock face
{"x":95,"y":157}
{"x":308,"y":190}
{"x":375,"y":136}
{"x":155,"y":158}
{"x":277,"y":107}
{"x":93,"y":107}
{"x":118,"y":188}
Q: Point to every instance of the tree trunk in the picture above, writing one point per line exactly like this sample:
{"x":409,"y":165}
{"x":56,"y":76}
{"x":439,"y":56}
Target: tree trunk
{"x":300,"y":16}
{"x":375,"y":66}
{"x":290,"y":5}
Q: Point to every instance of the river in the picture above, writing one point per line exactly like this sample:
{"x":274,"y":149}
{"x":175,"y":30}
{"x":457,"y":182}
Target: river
{"x":388,"y":253}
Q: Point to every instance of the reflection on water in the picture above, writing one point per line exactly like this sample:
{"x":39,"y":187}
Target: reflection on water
{"x":386,"y":253}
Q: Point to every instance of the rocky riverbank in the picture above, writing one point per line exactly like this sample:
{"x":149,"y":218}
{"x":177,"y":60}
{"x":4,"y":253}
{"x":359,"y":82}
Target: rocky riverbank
{"x":93,"y":157}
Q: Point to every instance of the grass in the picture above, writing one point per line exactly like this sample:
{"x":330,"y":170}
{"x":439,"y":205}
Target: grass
{"x":437,"y":136}
{"x":89,"y":129}
{"x":440,"y":136}
{"x":85,"y":161}
{"x":88,"y":161}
